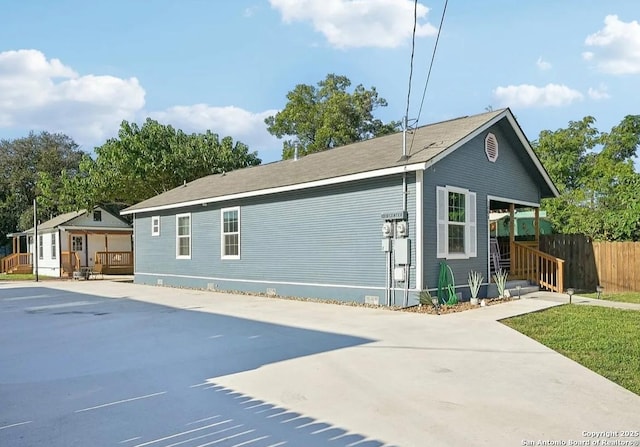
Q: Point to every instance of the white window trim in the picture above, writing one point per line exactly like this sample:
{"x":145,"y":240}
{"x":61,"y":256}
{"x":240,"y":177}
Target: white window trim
{"x":178,"y":255}
{"x":222,"y":233}
{"x":40,"y":246}
{"x":442,"y":224}
{"x":155,"y":228}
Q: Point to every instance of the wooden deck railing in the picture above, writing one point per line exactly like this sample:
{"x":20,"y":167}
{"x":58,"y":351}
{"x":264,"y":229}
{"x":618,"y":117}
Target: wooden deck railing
{"x":114,"y":258}
{"x":8,"y":263}
{"x":70,"y":261}
{"x":534,"y":265}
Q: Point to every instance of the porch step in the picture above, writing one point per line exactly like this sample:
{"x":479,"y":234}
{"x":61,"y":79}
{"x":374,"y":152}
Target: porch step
{"x":525,"y":288}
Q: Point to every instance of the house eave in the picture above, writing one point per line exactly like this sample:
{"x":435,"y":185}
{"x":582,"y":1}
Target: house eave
{"x":523,"y":140}
{"x":262,"y":192}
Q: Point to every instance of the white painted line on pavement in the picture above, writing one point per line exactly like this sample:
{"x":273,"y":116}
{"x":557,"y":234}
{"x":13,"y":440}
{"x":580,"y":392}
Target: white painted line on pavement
{"x":216,"y":336}
{"x":202,"y":420}
{"x":182,"y":433}
{"x":120,"y":402}
{"x":199,"y":384}
{"x":28,"y":297}
{"x":130,"y":440}
{"x":208,"y":435}
{"x":277,"y":444}
{"x":255,"y":336}
{"x":58,"y":306}
{"x":15,"y":425}
{"x":251,"y":441}
{"x":226,"y":439}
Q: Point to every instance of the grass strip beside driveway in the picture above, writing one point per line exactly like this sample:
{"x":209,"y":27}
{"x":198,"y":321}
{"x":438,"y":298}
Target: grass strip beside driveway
{"x":604,"y":340}
{"x":622,"y":297}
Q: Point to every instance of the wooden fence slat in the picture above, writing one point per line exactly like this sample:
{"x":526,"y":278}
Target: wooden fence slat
{"x":614,"y":265}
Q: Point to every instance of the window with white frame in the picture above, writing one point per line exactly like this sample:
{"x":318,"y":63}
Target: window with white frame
{"x":230,"y":240}
{"x":54,"y":246}
{"x":155,"y":226}
{"x":40,"y":247}
{"x":183,"y":236}
{"x":456,"y":229}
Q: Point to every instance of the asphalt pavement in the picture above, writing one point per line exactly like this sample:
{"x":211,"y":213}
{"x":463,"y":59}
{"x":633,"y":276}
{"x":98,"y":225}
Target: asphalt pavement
{"x":102,"y":363}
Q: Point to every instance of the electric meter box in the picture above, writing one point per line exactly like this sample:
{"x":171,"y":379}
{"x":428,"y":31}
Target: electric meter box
{"x":398,"y":274}
{"x":386,"y":245}
{"x":402,"y":251}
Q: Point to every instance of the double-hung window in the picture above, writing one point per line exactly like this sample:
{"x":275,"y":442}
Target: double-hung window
{"x":230,"y":237}
{"x":183,"y":236}
{"x":40,"y":247}
{"x":456,"y":215}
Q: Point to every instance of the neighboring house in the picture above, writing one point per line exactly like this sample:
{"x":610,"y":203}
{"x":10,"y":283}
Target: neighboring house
{"x":362,"y":222}
{"x":71,"y":241}
{"x":524,"y":224}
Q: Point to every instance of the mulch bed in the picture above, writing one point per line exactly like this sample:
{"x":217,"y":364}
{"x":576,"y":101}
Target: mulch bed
{"x":460,"y":307}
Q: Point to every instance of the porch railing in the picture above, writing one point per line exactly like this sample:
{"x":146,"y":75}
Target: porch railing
{"x":70,"y":261}
{"x":11,"y":262}
{"x":527,"y":262}
{"x":114,"y":258}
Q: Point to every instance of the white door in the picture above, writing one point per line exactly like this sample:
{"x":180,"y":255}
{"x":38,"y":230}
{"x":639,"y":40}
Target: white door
{"x":78,"y":246}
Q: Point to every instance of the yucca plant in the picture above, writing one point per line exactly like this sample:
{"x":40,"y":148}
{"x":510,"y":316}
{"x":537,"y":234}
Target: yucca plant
{"x":475,"y":281}
{"x":424,"y":298}
{"x":500,"y":278}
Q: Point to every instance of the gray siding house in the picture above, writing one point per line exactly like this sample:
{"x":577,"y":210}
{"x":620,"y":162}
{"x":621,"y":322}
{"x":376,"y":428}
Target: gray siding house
{"x":362,"y":222}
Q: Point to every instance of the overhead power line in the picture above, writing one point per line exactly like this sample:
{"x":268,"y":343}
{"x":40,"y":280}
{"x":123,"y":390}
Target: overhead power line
{"x":433,"y":57}
{"x":413,"y":48}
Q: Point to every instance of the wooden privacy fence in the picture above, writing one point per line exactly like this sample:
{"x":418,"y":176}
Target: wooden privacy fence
{"x":613,"y":265}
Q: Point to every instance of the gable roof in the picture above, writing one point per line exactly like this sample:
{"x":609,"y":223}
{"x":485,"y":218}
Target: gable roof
{"x":364,"y":159}
{"x":62,"y":219}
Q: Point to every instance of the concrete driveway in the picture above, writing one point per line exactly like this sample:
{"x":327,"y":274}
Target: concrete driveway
{"x":295,"y":373}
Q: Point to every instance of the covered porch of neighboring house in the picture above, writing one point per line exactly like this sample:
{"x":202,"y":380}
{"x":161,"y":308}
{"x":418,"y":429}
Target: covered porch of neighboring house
{"x":519,"y":253}
{"x":20,"y":259}
{"x":95,"y":251}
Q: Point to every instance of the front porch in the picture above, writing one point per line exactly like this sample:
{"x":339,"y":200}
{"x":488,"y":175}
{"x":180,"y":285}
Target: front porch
{"x":20,"y":260}
{"x":520,"y":255}
{"x":105,"y":261}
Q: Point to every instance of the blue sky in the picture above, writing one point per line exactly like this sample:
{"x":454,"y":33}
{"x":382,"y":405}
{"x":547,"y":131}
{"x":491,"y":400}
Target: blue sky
{"x":82,"y":66}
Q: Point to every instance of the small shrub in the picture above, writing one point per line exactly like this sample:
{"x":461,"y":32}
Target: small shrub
{"x":475,"y":280}
{"x":424,"y":298}
{"x":500,"y":278}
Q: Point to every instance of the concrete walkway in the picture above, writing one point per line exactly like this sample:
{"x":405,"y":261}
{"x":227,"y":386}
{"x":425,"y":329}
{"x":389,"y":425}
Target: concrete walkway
{"x":460,"y":379}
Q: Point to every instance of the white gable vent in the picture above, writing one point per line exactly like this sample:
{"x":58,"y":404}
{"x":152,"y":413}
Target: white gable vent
{"x":491,"y":147}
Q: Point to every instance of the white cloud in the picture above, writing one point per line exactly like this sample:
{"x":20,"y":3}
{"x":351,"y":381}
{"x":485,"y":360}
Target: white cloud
{"x":358,"y":23}
{"x":542,"y":64}
{"x":41,"y":94}
{"x":616,"y":47}
{"x":238,"y":123}
{"x":524,"y":95}
{"x":598,"y":93}
{"x":250,"y":11}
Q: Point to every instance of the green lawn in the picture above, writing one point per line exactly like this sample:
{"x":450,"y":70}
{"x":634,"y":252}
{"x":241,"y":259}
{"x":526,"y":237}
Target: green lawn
{"x":21,"y":277}
{"x":623,"y":297}
{"x":604,"y":340}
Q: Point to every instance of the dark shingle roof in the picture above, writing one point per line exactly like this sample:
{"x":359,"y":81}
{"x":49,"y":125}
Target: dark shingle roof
{"x":426,"y":142}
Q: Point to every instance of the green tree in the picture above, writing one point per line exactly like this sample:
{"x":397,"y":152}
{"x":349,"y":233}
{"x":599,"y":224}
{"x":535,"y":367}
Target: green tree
{"x":327,"y":116}
{"x":22,"y":162}
{"x":146,"y":160}
{"x":594,"y":172}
